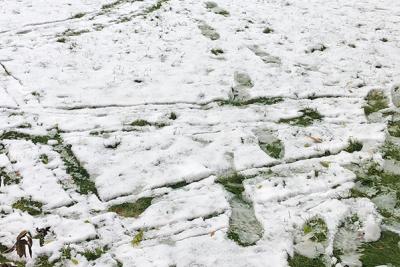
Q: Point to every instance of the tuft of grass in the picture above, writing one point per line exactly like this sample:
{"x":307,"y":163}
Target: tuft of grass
{"x":306,"y":119}
{"x":354,"y":146}
{"x":274,"y":149}
{"x":61,"y":40}
{"x":140,"y":123}
{"x":138,"y":238}
{"x":385,"y":251}
{"x":92,"y":255}
{"x":173,"y":116}
{"x":43,"y":261}
{"x":44,"y":158}
{"x":391,"y":151}
{"x":317,"y":228}
{"x":301,"y":261}
{"x":268,"y":30}
{"x":79,"y":15}
{"x":394,"y":128}
{"x":8,"y":178}
{"x":132,"y":209}
{"x":156,"y":6}
{"x":217,"y":51}
{"x":376,"y":100}
{"x":28,"y":205}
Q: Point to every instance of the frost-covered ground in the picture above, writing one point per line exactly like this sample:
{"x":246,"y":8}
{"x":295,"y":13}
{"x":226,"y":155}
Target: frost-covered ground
{"x":193,"y":133}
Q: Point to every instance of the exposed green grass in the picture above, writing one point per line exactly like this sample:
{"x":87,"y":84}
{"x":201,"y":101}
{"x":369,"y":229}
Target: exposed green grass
{"x":317,"y":228}
{"x":391,"y":151}
{"x":212,"y":6}
{"x":61,"y":40}
{"x":376,"y":100}
{"x":156,"y":6}
{"x":132,"y":209}
{"x":209,"y":32}
{"x":74,"y":168}
{"x":44,"y":158}
{"x":274,"y":149}
{"x":78,"y":15}
{"x":9,"y":178}
{"x":70,"y":32}
{"x":92,"y":255}
{"x":301,"y":261}
{"x":259,"y":100}
{"x":138,"y":238}
{"x":140,"y":123}
{"x":4,"y":260}
{"x":244,"y":228}
{"x":385,"y":251}
{"x":36,"y":139}
{"x":394,"y":128}
{"x":306,"y":119}
{"x":217,"y":51}
{"x":354,"y":146}
{"x":233,"y":183}
{"x":268,"y":30}
{"x":43,"y":261}
{"x":32,"y":207}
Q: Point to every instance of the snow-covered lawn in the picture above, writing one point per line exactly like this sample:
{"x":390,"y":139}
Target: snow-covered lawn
{"x":195,"y":133}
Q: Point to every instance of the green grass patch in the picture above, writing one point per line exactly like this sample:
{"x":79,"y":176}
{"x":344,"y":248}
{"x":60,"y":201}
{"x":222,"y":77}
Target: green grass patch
{"x":385,"y":251}
{"x":9,"y":178}
{"x":74,"y":168}
{"x":209,"y":32}
{"x":391,"y":151}
{"x":140,"y":123}
{"x":138,"y":238}
{"x":14,"y":135}
{"x":394,"y":128}
{"x":317,"y":228}
{"x":233,"y":183}
{"x":132,"y":209}
{"x":301,"y":261}
{"x":258,"y":100}
{"x":307,"y":118}
{"x":92,"y":255}
{"x":354,"y":146}
{"x":156,"y":6}
{"x":376,"y":101}
{"x":274,"y":149}
{"x":28,"y":205}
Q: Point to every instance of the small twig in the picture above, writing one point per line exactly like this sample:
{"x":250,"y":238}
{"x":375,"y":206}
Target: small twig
{"x":9,"y":73}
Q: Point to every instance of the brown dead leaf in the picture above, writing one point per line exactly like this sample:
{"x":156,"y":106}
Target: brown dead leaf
{"x":212,"y":233}
{"x":24,"y":240}
{"x":315,"y":139}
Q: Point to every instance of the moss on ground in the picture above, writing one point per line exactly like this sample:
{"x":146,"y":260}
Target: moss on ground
{"x":9,"y":178}
{"x":138,"y":238}
{"x":394,"y":128}
{"x":156,"y":6}
{"x":258,"y":100}
{"x":92,"y":255}
{"x":132,"y":209}
{"x":209,"y":32}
